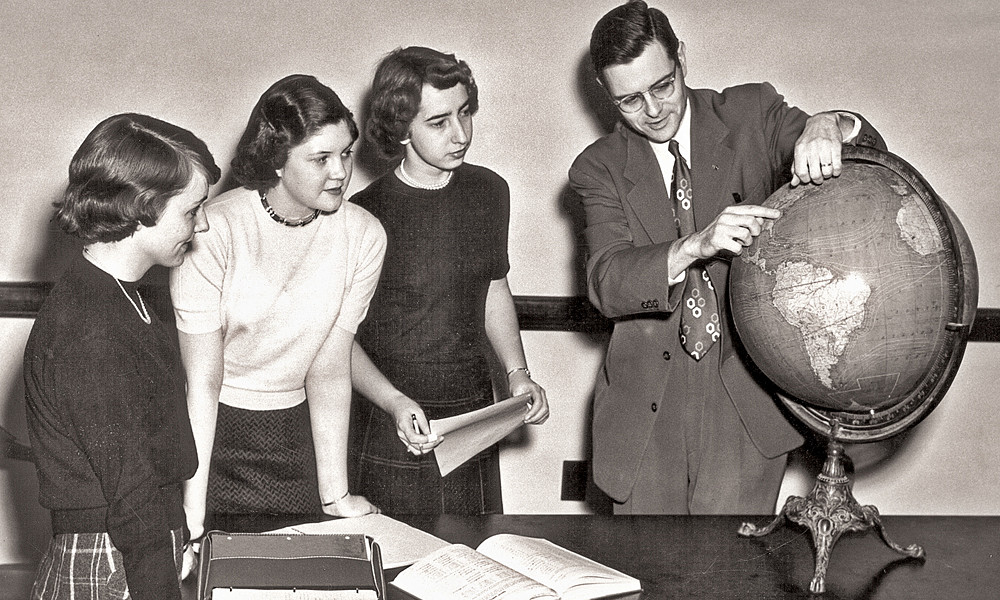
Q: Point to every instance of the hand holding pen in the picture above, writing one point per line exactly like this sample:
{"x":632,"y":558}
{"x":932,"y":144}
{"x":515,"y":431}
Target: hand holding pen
{"x":415,"y":432}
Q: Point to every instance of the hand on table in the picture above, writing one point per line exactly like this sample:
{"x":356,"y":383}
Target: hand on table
{"x":350,"y":505}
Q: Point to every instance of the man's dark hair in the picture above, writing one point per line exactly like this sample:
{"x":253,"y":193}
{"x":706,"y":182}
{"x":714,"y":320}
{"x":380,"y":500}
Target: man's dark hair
{"x":625,"y":32}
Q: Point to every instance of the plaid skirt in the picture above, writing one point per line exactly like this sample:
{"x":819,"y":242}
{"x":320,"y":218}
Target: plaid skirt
{"x":87,"y":566}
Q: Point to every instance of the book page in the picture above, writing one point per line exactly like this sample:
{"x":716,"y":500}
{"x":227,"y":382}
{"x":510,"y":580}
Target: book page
{"x":460,"y":573}
{"x":470,"y":433}
{"x":568,"y":573}
{"x":400,"y":544}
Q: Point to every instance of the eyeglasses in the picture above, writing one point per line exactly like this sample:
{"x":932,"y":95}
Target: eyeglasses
{"x":661,"y":90}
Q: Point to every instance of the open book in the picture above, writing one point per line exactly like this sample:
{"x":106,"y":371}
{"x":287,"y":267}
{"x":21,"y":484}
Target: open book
{"x":511,"y":567}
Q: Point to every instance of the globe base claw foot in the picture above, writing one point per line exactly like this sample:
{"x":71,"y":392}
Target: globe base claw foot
{"x":828,"y":512}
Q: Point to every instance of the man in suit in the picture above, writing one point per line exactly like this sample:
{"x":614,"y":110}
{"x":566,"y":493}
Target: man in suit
{"x":683,"y":423}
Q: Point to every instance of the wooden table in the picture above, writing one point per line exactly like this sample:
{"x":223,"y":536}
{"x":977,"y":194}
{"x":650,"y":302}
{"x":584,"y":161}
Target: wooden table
{"x":703,"y":557}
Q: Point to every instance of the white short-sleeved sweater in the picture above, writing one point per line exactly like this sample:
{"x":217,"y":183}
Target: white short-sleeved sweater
{"x":277,"y":292}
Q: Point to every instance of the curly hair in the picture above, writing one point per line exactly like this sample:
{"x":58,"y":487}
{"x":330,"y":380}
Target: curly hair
{"x":625,"y":32}
{"x":292,"y":109}
{"x":397,"y":88}
{"x":124,"y":173}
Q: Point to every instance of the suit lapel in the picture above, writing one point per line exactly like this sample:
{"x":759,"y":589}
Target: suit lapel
{"x":711,"y":161}
{"x":711,"y":165}
{"x":649,"y":197}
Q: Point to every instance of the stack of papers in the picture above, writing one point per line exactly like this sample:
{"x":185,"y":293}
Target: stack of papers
{"x":468,"y":434}
{"x":401,"y":545}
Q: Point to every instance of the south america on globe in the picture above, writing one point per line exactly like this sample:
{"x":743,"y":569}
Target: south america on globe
{"x":856,"y":303}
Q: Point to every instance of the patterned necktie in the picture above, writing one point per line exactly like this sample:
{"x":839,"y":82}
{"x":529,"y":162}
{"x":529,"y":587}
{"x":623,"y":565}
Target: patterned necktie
{"x":699,"y":307}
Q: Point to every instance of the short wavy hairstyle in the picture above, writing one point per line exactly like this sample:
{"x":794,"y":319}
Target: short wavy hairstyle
{"x":124,"y":173}
{"x":397,"y":88}
{"x":292,"y":109}
{"x":626,"y":31}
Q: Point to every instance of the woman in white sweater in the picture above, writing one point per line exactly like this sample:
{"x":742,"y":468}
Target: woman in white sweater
{"x":267,"y":306}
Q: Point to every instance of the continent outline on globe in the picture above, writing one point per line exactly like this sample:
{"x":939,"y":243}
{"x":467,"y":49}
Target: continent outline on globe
{"x":858,"y":301}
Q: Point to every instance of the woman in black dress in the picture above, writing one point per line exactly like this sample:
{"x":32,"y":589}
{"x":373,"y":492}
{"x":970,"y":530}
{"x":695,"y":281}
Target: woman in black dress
{"x":443,"y":293}
{"x":104,"y":385}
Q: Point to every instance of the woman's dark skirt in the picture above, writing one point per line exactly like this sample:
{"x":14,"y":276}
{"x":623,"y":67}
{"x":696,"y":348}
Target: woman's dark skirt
{"x":401,"y":483}
{"x":263,"y":462}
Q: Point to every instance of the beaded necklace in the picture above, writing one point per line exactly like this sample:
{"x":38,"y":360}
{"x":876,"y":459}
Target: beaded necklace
{"x":280,"y":219}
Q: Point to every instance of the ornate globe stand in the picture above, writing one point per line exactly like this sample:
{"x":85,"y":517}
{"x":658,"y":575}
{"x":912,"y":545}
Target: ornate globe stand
{"x":829,"y":511}
{"x":856,"y":304}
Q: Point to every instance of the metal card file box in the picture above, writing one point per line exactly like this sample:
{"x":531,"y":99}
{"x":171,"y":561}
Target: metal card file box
{"x":268,"y":565}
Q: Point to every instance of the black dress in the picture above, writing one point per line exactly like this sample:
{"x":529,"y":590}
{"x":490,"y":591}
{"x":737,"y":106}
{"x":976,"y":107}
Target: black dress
{"x":425,"y":332}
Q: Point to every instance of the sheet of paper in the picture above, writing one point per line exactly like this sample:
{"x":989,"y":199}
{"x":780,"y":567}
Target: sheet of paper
{"x":470,"y":433}
{"x":401,"y":544}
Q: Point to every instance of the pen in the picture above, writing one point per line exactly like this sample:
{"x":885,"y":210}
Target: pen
{"x":431,"y":437}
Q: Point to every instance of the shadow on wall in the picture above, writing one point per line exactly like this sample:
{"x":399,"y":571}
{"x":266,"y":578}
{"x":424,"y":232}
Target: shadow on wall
{"x":603,"y":117}
{"x":591,"y":94}
{"x":57,"y":251}
{"x":369,"y":161}
{"x":29,"y":530}
{"x":864,"y":461}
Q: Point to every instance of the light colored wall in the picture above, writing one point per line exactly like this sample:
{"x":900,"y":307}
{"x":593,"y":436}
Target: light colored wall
{"x":924,"y":72}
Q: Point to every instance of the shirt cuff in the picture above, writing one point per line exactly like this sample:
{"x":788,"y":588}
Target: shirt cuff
{"x":855,"y":130}
{"x":675,"y":280}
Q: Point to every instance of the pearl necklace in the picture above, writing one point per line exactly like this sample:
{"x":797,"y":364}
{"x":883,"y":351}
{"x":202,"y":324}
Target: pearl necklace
{"x":423,"y":186}
{"x":143,"y":314}
{"x":280,"y":219}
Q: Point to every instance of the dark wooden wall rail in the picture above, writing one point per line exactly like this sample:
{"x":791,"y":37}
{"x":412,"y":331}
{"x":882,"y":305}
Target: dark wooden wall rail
{"x":535,"y":313}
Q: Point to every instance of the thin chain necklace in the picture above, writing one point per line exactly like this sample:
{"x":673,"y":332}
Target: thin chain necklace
{"x":423,"y":186}
{"x":143,"y":314}
{"x":280,"y":219}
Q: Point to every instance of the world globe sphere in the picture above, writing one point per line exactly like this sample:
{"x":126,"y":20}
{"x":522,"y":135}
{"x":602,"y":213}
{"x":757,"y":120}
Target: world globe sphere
{"x":857,"y":302}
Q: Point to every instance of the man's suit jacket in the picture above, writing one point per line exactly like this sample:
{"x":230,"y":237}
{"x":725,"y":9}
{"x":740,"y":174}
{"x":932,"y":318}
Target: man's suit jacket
{"x":742,"y":142}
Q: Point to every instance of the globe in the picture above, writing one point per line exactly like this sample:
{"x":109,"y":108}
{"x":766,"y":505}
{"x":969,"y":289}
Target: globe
{"x":857,"y":302}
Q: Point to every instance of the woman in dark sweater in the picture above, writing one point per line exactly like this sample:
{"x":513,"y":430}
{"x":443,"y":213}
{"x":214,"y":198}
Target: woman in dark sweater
{"x":104,"y":385}
{"x":442,"y":297}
